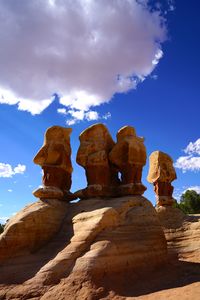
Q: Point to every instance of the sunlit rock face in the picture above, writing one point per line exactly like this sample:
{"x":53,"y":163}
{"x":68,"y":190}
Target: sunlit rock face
{"x":31,"y":228}
{"x":55,"y":159}
{"x":129,"y":156}
{"x":182,"y":232}
{"x":93,"y":155}
{"x":161,"y":174}
{"x":99,"y":241}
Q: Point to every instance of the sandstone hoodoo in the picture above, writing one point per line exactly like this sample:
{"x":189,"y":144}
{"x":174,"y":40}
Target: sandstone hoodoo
{"x":161,"y":174}
{"x":128,"y":156}
{"x":55,"y":159}
{"x":181,"y":231}
{"x":57,"y":249}
{"x":93,"y":155}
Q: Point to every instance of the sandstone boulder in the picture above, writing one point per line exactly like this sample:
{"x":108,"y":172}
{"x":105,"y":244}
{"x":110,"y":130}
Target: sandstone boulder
{"x":31,"y":228}
{"x":182,"y":232}
{"x":108,"y":240}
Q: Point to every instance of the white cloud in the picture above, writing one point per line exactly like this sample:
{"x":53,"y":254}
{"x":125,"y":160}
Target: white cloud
{"x":6,"y":170}
{"x":171,"y":5}
{"x":157,"y":57}
{"x":179,"y":191}
{"x":106,"y":116}
{"x":10,"y":190}
{"x":71,"y":122}
{"x":91,"y":115}
{"x":79,"y":115}
{"x":33,"y":106}
{"x":191,"y":162}
{"x":193,"y":148}
{"x":193,"y":188}
{"x":85,"y":51}
{"x":62,"y":111}
{"x":155,"y":77}
{"x":188,"y":163}
{"x":3,"y":219}
{"x":20,"y":169}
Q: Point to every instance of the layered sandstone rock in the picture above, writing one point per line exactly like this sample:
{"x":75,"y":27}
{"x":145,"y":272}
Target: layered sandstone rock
{"x":55,"y":159}
{"x":129,"y":156}
{"x":182,"y":232}
{"x":93,"y":155}
{"x":31,"y":228}
{"x":109,"y":239}
{"x":161,"y":174}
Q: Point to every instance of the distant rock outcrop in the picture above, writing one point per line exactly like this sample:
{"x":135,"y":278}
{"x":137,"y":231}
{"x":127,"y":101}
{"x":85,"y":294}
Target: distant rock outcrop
{"x":182,"y":232}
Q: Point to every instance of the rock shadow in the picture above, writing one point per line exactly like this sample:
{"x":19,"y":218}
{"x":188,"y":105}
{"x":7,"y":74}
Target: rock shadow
{"x":173,"y":275}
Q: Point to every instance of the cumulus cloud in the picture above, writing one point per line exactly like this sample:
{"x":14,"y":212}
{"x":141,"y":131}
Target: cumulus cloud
{"x":106,"y":116}
{"x":76,"y":116}
{"x":188,"y":163}
{"x":84,"y":51}
{"x":20,"y":169}
{"x":191,"y":162}
{"x":193,"y":148}
{"x":7,"y":171}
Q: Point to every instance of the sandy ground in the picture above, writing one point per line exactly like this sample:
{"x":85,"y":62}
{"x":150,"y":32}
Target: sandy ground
{"x":180,"y":280}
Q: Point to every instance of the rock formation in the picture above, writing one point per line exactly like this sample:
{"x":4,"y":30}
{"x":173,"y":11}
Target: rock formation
{"x":182,"y":232}
{"x":129,"y":156}
{"x":31,"y":228}
{"x":55,"y":159}
{"x":102,"y":242}
{"x":96,"y":249}
{"x":161,"y":174}
{"x":93,"y":155}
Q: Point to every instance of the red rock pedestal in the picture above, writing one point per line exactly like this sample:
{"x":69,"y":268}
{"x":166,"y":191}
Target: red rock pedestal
{"x":129,"y":156}
{"x":55,"y":159}
{"x":161,"y":174}
{"x":93,"y":155}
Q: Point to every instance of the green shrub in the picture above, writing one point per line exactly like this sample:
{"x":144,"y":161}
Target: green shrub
{"x":189,"y":202}
{"x":1,"y":228}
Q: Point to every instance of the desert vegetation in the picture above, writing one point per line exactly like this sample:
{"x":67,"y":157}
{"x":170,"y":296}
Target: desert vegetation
{"x":189,"y":202}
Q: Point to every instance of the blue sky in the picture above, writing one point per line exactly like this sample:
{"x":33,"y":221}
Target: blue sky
{"x":164,"y":107}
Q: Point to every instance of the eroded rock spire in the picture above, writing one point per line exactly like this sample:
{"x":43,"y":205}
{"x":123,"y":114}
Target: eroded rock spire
{"x":93,"y":155}
{"x":55,"y":159}
{"x":129,"y":156}
{"x":161,"y":174}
